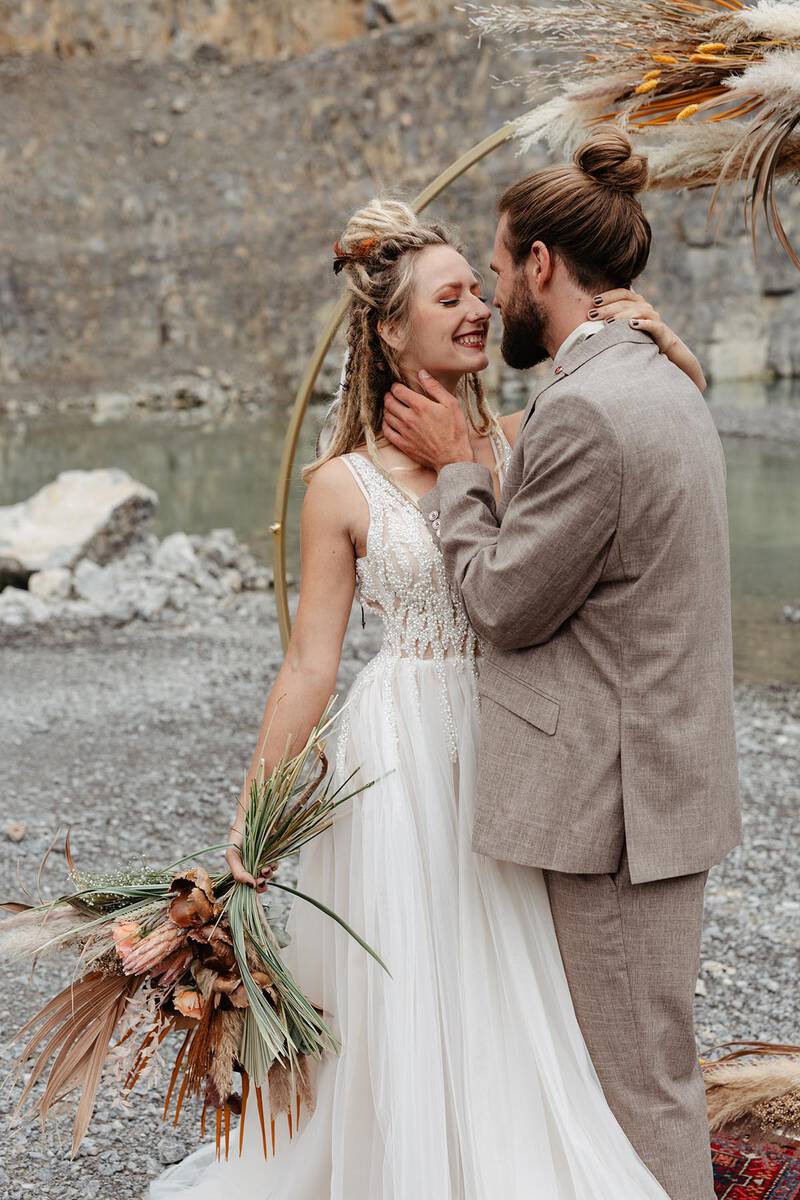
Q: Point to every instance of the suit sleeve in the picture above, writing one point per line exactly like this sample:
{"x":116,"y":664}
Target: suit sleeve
{"x":520,"y":580}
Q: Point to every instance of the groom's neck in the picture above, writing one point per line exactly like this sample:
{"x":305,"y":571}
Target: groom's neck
{"x":566,"y":312}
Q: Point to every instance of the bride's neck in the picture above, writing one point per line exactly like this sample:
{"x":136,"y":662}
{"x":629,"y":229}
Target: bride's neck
{"x":449,"y":380}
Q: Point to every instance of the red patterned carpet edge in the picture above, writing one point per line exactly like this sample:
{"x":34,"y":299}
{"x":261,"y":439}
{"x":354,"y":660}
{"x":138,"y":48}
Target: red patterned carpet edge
{"x":747,"y":1172}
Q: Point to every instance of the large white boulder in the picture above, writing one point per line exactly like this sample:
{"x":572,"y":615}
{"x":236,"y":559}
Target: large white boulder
{"x":82,"y":514}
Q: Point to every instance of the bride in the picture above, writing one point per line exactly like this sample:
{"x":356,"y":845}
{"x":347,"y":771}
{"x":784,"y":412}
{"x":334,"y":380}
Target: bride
{"x":464,"y":1075}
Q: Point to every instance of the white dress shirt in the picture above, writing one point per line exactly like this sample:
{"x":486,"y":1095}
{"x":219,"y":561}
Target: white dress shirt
{"x":579,"y":334}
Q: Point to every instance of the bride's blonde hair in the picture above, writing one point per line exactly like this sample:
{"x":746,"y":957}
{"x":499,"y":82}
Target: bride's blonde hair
{"x":376,"y":252}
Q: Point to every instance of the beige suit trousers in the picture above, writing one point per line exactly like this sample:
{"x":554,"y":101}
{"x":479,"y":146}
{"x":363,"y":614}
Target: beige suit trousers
{"x":631,"y":953}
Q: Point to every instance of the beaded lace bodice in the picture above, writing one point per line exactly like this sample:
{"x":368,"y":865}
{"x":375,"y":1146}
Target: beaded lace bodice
{"x":402,"y":577}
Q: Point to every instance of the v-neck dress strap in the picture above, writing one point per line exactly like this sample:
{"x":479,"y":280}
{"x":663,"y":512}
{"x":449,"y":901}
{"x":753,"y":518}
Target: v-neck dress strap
{"x":402,"y":578}
{"x":501,"y":446}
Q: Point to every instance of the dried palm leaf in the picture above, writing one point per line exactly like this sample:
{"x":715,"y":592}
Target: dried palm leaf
{"x":81,"y":1022}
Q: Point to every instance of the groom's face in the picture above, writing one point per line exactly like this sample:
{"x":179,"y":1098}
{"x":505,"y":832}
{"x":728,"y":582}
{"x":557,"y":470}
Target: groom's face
{"x":522,"y":314}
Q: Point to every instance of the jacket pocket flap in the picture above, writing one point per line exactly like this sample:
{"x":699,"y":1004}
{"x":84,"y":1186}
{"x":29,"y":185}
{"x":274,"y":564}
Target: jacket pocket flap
{"x":519,"y":698}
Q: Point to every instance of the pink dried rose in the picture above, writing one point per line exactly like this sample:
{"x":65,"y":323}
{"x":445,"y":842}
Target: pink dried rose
{"x":126,"y":934}
{"x":188,"y":1002}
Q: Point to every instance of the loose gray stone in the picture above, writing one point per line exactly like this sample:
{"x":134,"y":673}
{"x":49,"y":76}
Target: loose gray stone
{"x":53,"y":584}
{"x":19,"y":608}
{"x":176,"y":556}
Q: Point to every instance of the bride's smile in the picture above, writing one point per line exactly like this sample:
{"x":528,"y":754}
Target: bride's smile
{"x":449,"y":319}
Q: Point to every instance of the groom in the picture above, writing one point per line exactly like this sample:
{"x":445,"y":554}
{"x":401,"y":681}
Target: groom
{"x":600,"y":588}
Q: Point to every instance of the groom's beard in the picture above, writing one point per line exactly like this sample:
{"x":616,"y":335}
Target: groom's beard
{"x":523,"y":327}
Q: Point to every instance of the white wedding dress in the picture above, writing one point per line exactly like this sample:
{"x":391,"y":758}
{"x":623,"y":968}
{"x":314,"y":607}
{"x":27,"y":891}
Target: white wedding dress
{"x":464,"y":1076}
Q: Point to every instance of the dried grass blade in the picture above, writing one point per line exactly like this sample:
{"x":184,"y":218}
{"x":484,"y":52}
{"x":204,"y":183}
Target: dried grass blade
{"x":175,"y":1071}
{"x":245,"y":1093}
{"x":334,"y":916}
{"x":260,"y":1102}
{"x":181,"y":1094}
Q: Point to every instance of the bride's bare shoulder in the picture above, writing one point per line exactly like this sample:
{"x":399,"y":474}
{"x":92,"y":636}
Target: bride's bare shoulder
{"x":511,"y":423}
{"x":332,"y":496}
{"x":334,"y":475}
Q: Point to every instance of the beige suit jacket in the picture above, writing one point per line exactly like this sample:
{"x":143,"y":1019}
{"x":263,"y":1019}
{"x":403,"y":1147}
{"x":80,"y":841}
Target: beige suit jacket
{"x":600,"y":587}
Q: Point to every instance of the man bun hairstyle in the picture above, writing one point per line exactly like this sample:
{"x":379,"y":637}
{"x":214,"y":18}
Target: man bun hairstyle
{"x":586,"y":212}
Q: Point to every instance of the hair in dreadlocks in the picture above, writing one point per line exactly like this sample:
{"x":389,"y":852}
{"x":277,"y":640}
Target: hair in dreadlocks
{"x":381,"y":284}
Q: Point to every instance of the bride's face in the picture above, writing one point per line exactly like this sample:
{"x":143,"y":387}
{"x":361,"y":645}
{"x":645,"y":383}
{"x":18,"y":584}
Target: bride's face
{"x":449,"y":318}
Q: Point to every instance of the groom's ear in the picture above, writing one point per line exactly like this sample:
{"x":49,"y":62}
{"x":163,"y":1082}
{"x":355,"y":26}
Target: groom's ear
{"x":540,"y":265}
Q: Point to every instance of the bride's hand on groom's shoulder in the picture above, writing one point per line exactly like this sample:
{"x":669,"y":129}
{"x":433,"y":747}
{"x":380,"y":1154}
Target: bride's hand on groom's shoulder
{"x":625,"y":304}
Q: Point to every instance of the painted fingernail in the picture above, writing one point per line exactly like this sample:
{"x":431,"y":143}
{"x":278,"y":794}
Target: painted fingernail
{"x":610,"y":319}
{"x":592,"y":313}
{"x":597,"y":300}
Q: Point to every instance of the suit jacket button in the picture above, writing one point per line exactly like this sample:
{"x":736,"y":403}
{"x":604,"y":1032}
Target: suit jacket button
{"x":559,"y":370}
{"x":433,"y":515}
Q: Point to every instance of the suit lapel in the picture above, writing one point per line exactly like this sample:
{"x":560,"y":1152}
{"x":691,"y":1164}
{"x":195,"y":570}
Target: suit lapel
{"x":544,"y":384}
{"x":588,"y":348}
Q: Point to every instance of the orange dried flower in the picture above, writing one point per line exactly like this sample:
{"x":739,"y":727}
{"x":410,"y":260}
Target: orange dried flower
{"x":188,"y":1002}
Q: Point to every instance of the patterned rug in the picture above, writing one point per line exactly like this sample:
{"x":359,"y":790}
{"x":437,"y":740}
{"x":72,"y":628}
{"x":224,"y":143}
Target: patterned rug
{"x":743,"y":1172}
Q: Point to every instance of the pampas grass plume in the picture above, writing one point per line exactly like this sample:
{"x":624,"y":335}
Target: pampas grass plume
{"x":733,"y":1089}
{"x":22,"y":934}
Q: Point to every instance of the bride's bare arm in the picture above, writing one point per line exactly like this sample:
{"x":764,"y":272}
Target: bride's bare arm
{"x":307,"y":677}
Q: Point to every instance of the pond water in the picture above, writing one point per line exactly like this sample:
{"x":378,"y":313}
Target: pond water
{"x":225,"y":475}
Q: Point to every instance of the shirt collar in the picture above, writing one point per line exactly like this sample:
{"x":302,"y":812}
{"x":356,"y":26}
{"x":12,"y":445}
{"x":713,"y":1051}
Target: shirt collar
{"x":579,"y":334}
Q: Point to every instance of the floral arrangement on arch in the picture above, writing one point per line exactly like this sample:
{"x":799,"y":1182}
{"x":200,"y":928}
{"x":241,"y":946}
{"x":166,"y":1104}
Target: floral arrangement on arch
{"x":709,"y":88}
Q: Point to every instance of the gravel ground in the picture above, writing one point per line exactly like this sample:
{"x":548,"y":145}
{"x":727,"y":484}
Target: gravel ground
{"x":137,"y":739}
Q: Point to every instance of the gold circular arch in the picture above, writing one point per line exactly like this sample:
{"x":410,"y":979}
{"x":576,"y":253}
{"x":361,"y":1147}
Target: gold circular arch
{"x":303,"y":396}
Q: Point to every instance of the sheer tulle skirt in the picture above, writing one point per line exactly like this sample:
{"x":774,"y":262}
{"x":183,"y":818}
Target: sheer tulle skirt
{"x":464,"y":1076}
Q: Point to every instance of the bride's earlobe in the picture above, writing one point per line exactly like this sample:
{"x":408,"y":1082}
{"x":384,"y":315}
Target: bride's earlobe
{"x":388,"y":335}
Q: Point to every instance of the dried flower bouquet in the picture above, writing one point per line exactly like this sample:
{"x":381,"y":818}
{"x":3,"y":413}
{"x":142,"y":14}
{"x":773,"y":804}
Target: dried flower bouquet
{"x":181,"y":950}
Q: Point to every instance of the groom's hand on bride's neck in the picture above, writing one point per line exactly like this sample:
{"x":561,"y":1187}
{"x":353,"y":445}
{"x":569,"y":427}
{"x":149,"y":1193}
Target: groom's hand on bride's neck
{"x":430,"y":426}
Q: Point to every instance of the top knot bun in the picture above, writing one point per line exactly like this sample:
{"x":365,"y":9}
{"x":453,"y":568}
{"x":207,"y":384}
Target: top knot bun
{"x":379,"y":220}
{"x":609,"y":158}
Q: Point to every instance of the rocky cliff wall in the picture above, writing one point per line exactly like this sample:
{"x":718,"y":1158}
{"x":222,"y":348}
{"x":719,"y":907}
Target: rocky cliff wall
{"x":238,"y":30}
{"x":157,"y":217}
